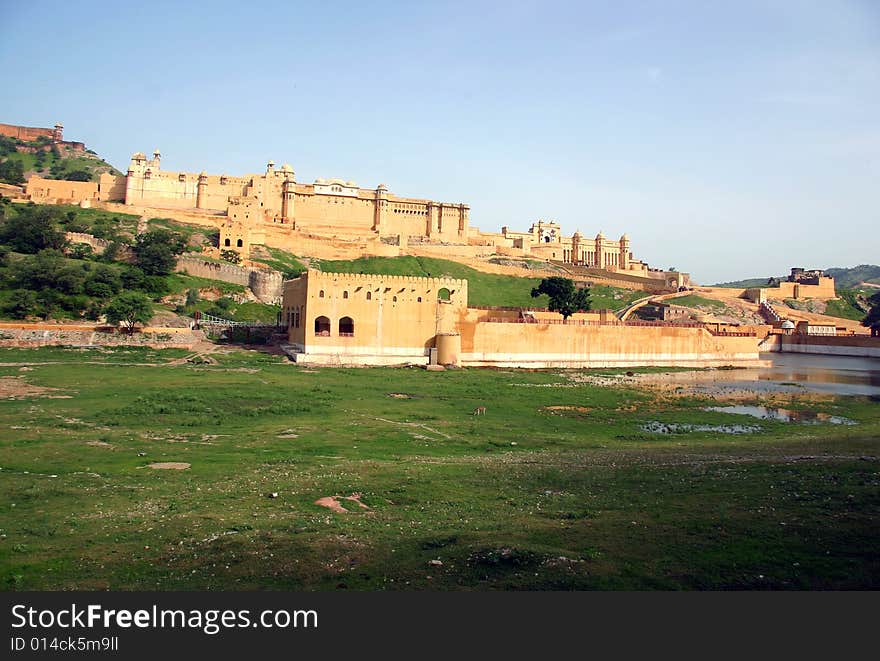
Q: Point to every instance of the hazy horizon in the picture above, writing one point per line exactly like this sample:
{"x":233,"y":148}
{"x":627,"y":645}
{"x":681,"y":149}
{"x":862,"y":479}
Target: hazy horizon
{"x":728,"y":142}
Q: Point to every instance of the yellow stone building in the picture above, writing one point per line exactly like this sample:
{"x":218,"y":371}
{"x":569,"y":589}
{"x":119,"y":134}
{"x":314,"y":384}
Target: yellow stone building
{"x":325,"y":207}
{"x":272,"y":208}
{"x":356,"y":319}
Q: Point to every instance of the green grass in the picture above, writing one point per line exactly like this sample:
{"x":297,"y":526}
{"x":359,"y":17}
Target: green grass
{"x":187,"y":231}
{"x":105,"y":220}
{"x":845,"y":305}
{"x":67,"y":163}
{"x":281,"y":261}
{"x":499,"y":499}
{"x":695,"y":301}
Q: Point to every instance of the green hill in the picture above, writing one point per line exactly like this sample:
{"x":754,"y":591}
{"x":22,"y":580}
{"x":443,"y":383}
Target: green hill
{"x":848,"y":278}
{"x":56,"y":163}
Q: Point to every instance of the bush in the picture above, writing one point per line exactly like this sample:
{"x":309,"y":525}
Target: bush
{"x":32,"y":229}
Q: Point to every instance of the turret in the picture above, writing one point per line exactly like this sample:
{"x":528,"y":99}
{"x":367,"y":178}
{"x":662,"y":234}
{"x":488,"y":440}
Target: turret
{"x":576,"y":247}
{"x":288,"y":193}
{"x":202,"y":190}
{"x":381,"y":208}
{"x":623,"y":261}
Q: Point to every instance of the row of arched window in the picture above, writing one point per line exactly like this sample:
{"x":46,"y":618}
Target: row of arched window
{"x":345,"y":327}
{"x":238,"y":243}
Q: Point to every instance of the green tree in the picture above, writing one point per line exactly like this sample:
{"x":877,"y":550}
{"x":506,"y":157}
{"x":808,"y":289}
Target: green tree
{"x":157,"y":251}
{"x":230,"y":256}
{"x":21,"y":303}
{"x":565,"y":298}
{"x":12,"y":172}
{"x":873,"y":316}
{"x":77,"y":175}
{"x":129,"y":308}
{"x":32,"y":229}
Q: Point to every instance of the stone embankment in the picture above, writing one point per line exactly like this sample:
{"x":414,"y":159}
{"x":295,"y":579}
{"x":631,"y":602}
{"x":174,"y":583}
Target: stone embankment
{"x":265,"y":283}
{"x":85,"y":335}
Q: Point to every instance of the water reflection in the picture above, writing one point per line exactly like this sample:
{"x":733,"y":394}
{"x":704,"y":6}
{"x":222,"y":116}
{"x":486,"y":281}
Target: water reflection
{"x":783,"y":415}
{"x":787,"y":372}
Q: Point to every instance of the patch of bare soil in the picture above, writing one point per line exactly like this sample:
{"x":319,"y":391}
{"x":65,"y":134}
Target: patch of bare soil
{"x":579,"y":409}
{"x":169,"y":465}
{"x":399,"y":395}
{"x":99,"y":444}
{"x":288,"y":433}
{"x":332,"y":502}
{"x":15,"y":387}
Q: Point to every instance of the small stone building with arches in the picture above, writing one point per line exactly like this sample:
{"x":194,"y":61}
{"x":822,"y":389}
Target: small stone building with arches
{"x":358,"y":319}
{"x":375,"y":319}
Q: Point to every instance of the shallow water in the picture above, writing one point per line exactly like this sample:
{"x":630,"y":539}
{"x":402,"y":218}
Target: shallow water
{"x":656,"y":427}
{"x":783,"y":415}
{"x":788,"y":372}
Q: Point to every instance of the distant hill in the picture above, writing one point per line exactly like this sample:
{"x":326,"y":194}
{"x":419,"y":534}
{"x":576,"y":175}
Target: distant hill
{"x":844,"y":278}
{"x":853,"y":277}
{"x":751,"y":282}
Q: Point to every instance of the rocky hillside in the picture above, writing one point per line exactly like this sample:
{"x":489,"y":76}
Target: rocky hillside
{"x":20,"y":159}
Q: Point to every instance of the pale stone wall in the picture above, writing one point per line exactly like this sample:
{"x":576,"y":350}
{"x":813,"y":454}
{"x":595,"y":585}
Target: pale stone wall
{"x":264,"y":283}
{"x":550,"y":345}
{"x":57,"y":191}
{"x":797,"y":290}
{"x":111,"y":187}
{"x":91,"y":335}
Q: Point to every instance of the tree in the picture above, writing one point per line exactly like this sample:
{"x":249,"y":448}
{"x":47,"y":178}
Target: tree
{"x":32,"y":229}
{"x":873,"y":316}
{"x":77,"y":175}
{"x":230,"y":256}
{"x":21,"y":303}
{"x":565,"y":298}
{"x":129,"y":308}
{"x":12,"y":172}
{"x":157,"y":251}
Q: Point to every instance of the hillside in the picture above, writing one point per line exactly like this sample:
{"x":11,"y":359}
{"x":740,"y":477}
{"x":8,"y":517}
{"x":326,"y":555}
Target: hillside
{"x":848,"y":278}
{"x":19,"y":160}
{"x":844,"y":278}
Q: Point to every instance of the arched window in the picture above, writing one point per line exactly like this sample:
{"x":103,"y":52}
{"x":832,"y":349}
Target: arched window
{"x":419,"y":299}
{"x":346,"y":327}
{"x":345,"y":294}
{"x":443,"y":294}
{"x":238,"y":243}
{"x":226,"y":243}
{"x":321,"y":294}
{"x":394,"y":299}
{"x":322,"y":326}
{"x":369,"y":295}
{"x":547,"y":239}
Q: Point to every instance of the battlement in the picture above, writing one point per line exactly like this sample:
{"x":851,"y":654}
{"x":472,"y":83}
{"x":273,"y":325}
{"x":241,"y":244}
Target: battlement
{"x":369,"y":278}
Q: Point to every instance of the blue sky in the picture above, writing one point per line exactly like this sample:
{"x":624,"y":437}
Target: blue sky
{"x":728,"y":139}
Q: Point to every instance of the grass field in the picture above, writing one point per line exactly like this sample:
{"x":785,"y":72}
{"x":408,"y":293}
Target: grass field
{"x":696,"y":301}
{"x":525,"y":497}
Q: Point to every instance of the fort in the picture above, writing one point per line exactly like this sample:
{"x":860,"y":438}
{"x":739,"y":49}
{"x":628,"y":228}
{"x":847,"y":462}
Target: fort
{"x":49,"y":136}
{"x":335,"y":217}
